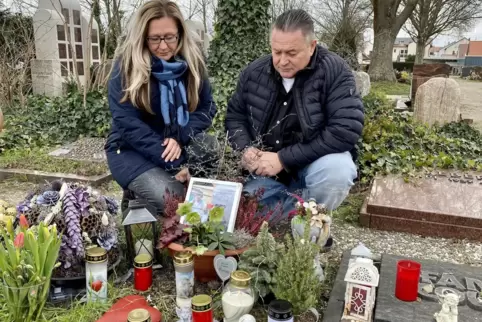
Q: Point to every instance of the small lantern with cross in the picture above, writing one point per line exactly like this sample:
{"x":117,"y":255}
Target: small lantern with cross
{"x":140,"y":229}
{"x":361,"y":282}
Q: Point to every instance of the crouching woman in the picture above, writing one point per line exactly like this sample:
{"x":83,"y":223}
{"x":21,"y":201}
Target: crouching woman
{"x":161,"y":104}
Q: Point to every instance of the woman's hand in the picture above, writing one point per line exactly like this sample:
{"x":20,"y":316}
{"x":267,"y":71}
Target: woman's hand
{"x":183,"y":176}
{"x":173,"y":150}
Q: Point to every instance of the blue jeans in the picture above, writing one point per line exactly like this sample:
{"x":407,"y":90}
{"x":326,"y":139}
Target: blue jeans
{"x":328,"y":180}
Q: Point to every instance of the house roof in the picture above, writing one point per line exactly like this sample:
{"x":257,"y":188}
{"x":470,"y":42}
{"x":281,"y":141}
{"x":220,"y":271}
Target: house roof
{"x":453,"y":43}
{"x":475,"y":48}
{"x":435,"y":49}
{"x":403,"y":41}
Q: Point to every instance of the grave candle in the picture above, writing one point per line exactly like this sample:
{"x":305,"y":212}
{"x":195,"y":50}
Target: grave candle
{"x":202,"y":310}
{"x":139,"y":315}
{"x":96,"y":274}
{"x":144,"y":246}
{"x":280,"y":310}
{"x":142,"y":272}
{"x":406,"y":284}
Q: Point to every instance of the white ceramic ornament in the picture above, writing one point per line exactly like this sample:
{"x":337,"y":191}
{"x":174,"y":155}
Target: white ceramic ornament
{"x":224,"y":266}
{"x":247,"y":318}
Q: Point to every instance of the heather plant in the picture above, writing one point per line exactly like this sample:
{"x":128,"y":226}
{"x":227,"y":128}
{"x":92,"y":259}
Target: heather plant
{"x":261,"y":261}
{"x":28,"y":256}
{"x":296,"y":269}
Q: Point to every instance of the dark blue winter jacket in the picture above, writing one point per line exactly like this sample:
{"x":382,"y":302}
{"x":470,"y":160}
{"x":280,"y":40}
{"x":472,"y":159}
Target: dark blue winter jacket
{"x":135,"y":142}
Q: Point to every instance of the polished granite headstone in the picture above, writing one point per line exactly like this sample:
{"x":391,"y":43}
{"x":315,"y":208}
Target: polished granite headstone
{"x":440,"y":205}
{"x":464,"y":280}
{"x":424,"y":72}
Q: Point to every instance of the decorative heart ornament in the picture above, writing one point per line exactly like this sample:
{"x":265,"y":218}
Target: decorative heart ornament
{"x":224,"y":266}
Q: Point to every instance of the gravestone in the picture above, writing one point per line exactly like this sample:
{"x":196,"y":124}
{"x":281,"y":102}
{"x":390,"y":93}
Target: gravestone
{"x":439,"y":205}
{"x":438,"y":101}
{"x":445,"y":277}
{"x":464,"y":280}
{"x":363,"y":84}
{"x":46,"y":77}
{"x":424,"y":72}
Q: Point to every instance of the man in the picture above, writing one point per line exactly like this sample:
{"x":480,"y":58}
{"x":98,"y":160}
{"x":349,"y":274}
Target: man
{"x":297,"y":116}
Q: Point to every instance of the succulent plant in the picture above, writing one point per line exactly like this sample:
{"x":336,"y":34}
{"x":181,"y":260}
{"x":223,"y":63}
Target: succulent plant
{"x":48,"y":198}
{"x":83,"y":201}
{"x":107,"y":239}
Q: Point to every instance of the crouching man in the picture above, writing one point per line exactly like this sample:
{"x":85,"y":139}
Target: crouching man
{"x":297,"y":116}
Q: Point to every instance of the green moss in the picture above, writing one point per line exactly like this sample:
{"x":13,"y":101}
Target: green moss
{"x":391,"y":88}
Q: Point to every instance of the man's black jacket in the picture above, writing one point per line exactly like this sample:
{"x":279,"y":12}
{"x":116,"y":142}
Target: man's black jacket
{"x":328,"y":105}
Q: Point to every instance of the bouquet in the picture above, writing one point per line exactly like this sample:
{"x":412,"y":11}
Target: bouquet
{"x":28,"y":255}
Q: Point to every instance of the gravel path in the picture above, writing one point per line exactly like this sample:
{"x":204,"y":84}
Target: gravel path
{"x":471,"y":100}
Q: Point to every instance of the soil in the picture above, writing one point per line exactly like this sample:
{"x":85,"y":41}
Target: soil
{"x":471,"y":108}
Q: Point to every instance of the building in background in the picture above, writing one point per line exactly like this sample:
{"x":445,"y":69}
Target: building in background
{"x":474,"y":54}
{"x":197,"y":31}
{"x":62,"y":31}
{"x":404,"y":47}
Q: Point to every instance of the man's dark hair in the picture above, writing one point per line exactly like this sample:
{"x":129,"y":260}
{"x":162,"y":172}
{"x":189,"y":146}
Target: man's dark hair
{"x":296,"y":19}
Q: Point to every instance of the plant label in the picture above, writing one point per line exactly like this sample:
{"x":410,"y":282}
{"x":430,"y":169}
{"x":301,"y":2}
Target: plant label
{"x":224,"y":266}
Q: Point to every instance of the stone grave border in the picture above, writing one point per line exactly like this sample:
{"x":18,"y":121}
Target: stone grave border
{"x":40,"y":176}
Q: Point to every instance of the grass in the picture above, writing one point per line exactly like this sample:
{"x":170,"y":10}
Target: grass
{"x":38,"y":159}
{"x":349,"y":210}
{"x":391,"y":88}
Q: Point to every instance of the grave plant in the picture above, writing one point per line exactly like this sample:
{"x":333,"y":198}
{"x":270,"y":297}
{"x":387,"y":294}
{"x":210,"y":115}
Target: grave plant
{"x":28,"y":255}
{"x":83,"y":217}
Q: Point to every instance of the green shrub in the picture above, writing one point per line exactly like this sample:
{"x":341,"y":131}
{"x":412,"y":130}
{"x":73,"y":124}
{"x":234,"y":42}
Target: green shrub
{"x":393,"y":142}
{"x":52,"y":121}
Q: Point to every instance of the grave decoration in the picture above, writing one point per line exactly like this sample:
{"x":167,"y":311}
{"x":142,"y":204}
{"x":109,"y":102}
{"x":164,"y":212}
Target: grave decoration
{"x":28,"y":255}
{"x":202,"y":225}
{"x":83,"y":216}
{"x":140,"y":229}
{"x":361,"y":282}
{"x":449,"y":311}
{"x":319,"y":221}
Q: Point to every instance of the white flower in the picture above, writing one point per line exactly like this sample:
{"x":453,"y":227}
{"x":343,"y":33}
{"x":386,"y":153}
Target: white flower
{"x":306,"y":205}
{"x":312,"y":204}
{"x":297,"y":204}
{"x":302,"y":241}
{"x":314,"y":211}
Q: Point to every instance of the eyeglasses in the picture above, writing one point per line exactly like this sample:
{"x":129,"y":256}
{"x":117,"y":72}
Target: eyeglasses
{"x":169,"y":39}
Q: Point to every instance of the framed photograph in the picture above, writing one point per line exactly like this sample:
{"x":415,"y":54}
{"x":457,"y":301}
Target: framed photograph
{"x":207,"y":193}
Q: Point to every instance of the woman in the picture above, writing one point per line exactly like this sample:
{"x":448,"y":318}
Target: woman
{"x":1,"y":120}
{"x":161,"y":104}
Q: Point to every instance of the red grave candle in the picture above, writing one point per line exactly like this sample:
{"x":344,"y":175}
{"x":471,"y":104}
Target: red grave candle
{"x":142,"y":272}
{"x":408,"y":275}
{"x":202,"y":310}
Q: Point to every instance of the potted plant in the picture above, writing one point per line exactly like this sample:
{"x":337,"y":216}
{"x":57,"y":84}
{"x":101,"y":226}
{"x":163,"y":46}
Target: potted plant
{"x":317,"y":216}
{"x":208,"y":239}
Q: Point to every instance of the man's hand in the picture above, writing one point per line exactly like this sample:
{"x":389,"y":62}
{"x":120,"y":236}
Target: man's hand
{"x":269,"y":164}
{"x":250,"y":158}
{"x":183,"y":175}
{"x":172,"y":151}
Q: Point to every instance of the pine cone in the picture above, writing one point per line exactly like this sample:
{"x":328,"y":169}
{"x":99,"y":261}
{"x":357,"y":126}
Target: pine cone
{"x":71,"y":211}
{"x":33,"y":214}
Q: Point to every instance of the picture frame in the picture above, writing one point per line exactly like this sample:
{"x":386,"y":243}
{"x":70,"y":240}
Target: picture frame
{"x":206,"y":193}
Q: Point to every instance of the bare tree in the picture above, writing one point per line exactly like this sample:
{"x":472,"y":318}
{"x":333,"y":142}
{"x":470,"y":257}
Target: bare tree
{"x":433,"y":17}
{"x":341,"y":25}
{"x":280,"y":6}
{"x":389,"y":17}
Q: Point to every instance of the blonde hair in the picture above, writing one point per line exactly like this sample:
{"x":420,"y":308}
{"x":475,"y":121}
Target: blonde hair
{"x":136,"y":57}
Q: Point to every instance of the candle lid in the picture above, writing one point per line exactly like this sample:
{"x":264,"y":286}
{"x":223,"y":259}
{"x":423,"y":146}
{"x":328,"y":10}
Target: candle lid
{"x":143,"y":260}
{"x":138,"y":315}
{"x":95,"y":255}
{"x":280,"y":309}
{"x":201,"y":302}
{"x":183,"y":257}
{"x":240,"y":278}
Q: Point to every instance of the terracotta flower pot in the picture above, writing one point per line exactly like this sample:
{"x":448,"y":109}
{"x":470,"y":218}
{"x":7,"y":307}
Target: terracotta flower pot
{"x":204,"y":265}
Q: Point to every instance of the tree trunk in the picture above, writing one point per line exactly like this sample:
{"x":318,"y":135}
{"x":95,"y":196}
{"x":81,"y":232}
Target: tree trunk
{"x":420,"y":51}
{"x":381,"y":65}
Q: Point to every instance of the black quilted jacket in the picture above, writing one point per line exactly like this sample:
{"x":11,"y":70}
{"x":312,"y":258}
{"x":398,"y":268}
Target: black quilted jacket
{"x":328,"y":105}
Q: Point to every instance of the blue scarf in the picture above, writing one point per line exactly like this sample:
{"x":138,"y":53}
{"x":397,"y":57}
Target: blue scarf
{"x":174,"y":108}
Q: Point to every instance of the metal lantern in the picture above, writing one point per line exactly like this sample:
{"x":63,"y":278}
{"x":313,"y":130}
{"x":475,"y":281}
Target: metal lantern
{"x":140,"y":229}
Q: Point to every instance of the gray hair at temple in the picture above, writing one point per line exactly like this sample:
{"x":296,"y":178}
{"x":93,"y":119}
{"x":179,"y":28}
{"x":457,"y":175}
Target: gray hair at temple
{"x":296,"y":19}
